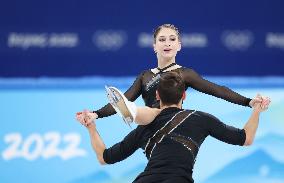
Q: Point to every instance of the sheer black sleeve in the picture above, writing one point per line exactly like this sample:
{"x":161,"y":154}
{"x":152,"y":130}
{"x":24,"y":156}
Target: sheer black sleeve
{"x":131,"y":94}
{"x":194,"y":80}
{"x":123,"y":149}
{"x":223,"y":132}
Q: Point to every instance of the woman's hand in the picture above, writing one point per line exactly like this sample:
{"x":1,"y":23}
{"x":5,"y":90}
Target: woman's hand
{"x":260,"y":102}
{"x":86,"y":117}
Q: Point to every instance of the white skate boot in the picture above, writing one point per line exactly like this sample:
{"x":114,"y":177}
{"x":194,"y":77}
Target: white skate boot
{"x":126,"y":109}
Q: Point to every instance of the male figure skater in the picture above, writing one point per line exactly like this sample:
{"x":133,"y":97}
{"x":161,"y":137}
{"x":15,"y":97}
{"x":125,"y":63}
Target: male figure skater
{"x":171,"y":142}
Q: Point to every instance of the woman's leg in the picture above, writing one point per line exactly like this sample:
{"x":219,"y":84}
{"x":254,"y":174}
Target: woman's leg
{"x":128,"y":110}
{"x":145,"y":115}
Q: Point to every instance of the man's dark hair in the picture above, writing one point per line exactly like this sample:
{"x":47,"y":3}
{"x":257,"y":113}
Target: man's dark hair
{"x":171,"y":88}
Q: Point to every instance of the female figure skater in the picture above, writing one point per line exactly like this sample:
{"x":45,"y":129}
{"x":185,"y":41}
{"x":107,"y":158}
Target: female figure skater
{"x":167,"y":43}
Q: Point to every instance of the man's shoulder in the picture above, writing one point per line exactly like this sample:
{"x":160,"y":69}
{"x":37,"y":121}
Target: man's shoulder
{"x":201,"y":114}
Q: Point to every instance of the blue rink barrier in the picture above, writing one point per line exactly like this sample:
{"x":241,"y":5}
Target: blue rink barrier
{"x":124,"y":82}
{"x":40,"y":140}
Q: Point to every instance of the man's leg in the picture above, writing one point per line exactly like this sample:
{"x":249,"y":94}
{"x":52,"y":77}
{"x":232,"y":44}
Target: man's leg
{"x":161,"y":178}
{"x":177,"y":180}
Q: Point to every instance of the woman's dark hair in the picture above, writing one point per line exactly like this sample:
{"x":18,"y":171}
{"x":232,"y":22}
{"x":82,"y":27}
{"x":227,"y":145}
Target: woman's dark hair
{"x":170,"y":26}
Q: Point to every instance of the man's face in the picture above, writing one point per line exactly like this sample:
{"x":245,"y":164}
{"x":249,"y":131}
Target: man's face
{"x":167,"y":43}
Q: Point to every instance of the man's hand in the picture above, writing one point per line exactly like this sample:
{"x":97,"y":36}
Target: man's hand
{"x":263,"y":105}
{"x":262,"y":100}
{"x":86,"y":117}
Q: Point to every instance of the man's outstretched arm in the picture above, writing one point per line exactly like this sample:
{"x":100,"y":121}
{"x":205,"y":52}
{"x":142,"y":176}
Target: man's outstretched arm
{"x":87,"y":119}
{"x":236,"y":136}
{"x":117,"y":152}
{"x":97,"y":142}
{"x":252,"y":124}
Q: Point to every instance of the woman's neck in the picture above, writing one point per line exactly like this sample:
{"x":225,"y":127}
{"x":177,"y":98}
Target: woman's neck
{"x":162,"y":63}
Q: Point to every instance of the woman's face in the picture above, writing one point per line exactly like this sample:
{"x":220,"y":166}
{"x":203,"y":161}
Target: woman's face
{"x":167,"y":43}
